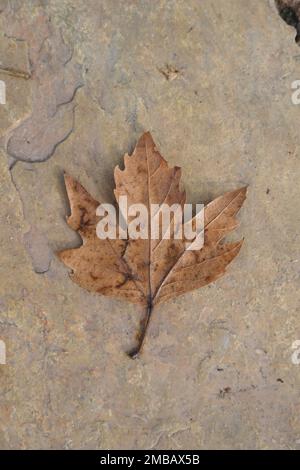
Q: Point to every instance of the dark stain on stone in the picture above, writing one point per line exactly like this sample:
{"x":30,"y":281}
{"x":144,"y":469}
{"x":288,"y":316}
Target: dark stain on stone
{"x":289,"y":16}
{"x":224,"y":391}
{"x":170,"y":72}
{"x":289,"y":12}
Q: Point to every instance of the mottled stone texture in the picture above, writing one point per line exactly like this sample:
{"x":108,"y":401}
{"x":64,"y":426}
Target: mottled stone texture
{"x":212,"y":81}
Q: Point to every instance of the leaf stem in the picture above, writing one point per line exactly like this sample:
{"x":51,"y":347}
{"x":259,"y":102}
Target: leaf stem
{"x":14,"y":72}
{"x":137,"y":350}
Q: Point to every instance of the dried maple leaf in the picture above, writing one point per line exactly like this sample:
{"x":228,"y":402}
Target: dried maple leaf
{"x":147,"y":271}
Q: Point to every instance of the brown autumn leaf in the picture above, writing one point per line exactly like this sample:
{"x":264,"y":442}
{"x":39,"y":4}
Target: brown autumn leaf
{"x":146,"y":271}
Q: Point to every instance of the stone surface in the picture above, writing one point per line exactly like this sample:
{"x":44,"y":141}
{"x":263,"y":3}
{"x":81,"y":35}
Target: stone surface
{"x":14,"y":72}
{"x":212,"y":81}
{"x":54,"y":82}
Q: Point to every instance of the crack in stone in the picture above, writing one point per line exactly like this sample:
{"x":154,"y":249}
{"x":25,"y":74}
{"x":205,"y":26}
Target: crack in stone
{"x":51,"y":66}
{"x":18,"y":192}
{"x":51,"y":153}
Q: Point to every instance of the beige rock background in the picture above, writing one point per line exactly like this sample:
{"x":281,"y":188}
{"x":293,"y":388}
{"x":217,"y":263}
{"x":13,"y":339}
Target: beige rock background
{"x":212,"y":81}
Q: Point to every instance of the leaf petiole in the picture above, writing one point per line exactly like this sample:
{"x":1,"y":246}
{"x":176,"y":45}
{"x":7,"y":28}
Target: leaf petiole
{"x":137,"y":350}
